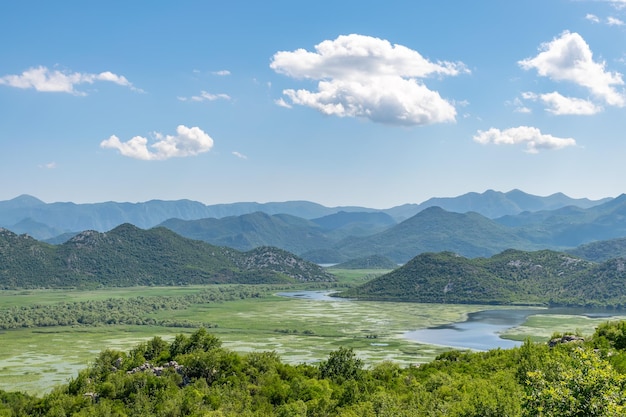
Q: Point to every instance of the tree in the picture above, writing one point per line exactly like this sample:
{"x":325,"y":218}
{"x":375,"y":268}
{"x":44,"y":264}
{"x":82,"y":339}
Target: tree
{"x":575,"y":383}
{"x":341,"y":365}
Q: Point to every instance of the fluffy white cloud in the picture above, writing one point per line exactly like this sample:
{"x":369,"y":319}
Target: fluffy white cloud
{"x":363,"y":76}
{"x":530,"y":136}
{"x":46,"y":80}
{"x":613,"y":21}
{"x":569,"y":58}
{"x":239,"y":155}
{"x":592,"y":17}
{"x":221,"y":72}
{"x":561,"y":105}
{"x":187,"y":142}
{"x":204,"y":96}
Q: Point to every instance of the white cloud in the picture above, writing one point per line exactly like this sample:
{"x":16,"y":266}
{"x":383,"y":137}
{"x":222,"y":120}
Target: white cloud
{"x":362,"y":76}
{"x":204,"y":96}
{"x":569,"y":58}
{"x":221,"y":72}
{"x":187,"y":142}
{"x":560,"y":105}
{"x":282,"y":103}
{"x":613,"y":21}
{"x":46,"y":80}
{"x":519,"y":105}
{"x":592,"y":17}
{"x":618,"y":4}
{"x":530,"y":136}
{"x":49,"y":165}
{"x":239,"y":155}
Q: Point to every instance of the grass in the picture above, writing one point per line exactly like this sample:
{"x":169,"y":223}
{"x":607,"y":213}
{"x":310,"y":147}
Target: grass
{"x":542,"y":326}
{"x":35,"y":360}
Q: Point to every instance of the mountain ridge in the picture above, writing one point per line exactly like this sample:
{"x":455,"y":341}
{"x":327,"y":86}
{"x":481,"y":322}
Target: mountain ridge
{"x":73,"y":217}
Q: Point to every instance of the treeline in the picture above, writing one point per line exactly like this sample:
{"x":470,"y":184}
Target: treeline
{"x":193,"y":376}
{"x":129,"y":311}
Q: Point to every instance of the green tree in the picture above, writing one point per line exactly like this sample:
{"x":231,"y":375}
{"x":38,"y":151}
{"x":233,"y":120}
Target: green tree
{"x":342,"y":365}
{"x":575,"y":383}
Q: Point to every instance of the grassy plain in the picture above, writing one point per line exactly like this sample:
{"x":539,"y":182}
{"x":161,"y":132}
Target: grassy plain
{"x":299,"y":330}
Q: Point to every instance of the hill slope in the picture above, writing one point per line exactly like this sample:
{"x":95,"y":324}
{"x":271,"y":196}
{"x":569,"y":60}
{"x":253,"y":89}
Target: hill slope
{"x":511,"y":277}
{"x":249,"y":231}
{"x":128,"y":256}
{"x":436,"y":230}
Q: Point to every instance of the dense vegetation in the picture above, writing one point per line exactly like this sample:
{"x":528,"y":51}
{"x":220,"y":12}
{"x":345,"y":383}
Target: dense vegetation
{"x":193,"y":375}
{"x":133,"y":310}
{"x":511,"y":277}
{"x":128,"y":256}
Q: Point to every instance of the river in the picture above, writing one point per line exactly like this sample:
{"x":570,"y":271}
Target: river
{"x":480,"y":331}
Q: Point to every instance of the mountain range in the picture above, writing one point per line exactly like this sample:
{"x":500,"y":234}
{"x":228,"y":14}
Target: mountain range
{"x":346,"y":233}
{"x":27,"y":214}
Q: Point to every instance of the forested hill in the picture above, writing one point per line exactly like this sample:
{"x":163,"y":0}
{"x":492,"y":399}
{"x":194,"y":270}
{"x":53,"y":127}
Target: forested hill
{"x":511,"y":277}
{"x":129,"y":256}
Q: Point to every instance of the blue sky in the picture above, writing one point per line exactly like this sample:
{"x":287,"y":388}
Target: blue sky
{"x":340,"y":103}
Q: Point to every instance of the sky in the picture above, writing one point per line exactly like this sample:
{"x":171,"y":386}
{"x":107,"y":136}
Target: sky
{"x":350,"y":103}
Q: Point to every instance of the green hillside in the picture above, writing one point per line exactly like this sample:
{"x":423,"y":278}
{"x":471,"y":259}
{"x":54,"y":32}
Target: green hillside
{"x":511,"y":277}
{"x":129,"y":256}
{"x":249,"y":231}
{"x":436,"y":230}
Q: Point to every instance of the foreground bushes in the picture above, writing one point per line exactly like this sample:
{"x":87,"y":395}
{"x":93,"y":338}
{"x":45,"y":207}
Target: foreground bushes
{"x":195,"y":376}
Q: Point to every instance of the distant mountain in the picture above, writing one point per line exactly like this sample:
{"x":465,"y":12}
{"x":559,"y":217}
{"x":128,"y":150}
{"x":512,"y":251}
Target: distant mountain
{"x":368,"y":262}
{"x":571,"y":226}
{"x":601,"y":251}
{"x":344,"y":224}
{"x":36,"y":229}
{"x":129,"y":256}
{"x":511,"y":277}
{"x":249,"y":231}
{"x":71,"y":217}
{"x":435,"y":230}
{"x":493,"y":204}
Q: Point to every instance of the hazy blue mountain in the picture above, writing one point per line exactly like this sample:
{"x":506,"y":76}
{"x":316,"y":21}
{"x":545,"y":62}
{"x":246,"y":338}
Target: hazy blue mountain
{"x":26,"y":214}
{"x":249,"y":231}
{"x":36,"y":229}
{"x":436,"y":230}
{"x":71,"y":217}
{"x":571,"y":226}
{"x":368,"y":262}
{"x":602,"y":250}
{"x":343,"y":224}
{"x":494,"y":204}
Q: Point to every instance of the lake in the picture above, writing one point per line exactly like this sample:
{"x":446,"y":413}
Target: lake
{"x":480,"y":331}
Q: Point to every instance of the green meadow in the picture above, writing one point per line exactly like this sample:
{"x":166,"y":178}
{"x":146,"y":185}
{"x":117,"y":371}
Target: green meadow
{"x":299,"y":330}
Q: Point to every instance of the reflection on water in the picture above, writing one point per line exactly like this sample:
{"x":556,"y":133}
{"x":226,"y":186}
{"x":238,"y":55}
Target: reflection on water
{"x":312,"y":295}
{"x":481,"y":330}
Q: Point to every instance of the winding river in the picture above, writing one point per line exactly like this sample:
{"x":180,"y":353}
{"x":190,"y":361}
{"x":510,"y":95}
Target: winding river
{"x":480,"y":331}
